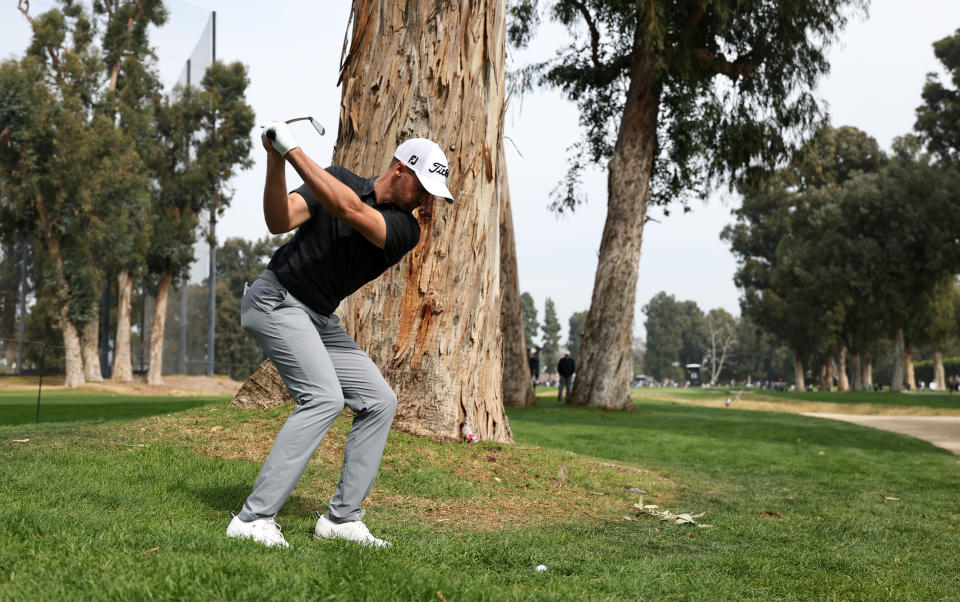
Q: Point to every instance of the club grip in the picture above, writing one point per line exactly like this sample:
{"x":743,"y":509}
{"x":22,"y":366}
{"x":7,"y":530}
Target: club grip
{"x":272,"y":134}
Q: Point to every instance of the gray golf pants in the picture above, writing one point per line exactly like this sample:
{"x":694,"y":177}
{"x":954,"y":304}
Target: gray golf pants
{"x":565,"y":383}
{"x":324,"y":370}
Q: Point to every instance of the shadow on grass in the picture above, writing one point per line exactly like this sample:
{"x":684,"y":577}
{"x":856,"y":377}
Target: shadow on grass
{"x":21,"y":408}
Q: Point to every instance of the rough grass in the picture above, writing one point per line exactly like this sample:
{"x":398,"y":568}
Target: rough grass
{"x":800,"y":508}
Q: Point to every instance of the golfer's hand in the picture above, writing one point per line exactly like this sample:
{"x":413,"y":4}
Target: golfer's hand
{"x":279,"y":136}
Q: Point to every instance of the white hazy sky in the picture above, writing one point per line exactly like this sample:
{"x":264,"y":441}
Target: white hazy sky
{"x":292,"y":51}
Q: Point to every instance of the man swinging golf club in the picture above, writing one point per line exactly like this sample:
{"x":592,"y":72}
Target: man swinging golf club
{"x":351,"y":229}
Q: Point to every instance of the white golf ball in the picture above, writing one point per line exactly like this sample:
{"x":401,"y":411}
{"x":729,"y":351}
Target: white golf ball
{"x":541,"y":568}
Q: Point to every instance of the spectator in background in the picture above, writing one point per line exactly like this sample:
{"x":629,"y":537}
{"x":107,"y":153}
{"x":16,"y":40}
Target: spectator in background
{"x":565,"y":368}
{"x":534,"y":360}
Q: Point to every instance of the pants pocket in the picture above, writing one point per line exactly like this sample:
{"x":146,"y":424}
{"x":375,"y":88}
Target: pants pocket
{"x":263,"y":296}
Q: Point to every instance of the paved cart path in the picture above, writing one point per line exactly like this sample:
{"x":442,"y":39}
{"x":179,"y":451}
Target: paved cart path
{"x":942,"y":431}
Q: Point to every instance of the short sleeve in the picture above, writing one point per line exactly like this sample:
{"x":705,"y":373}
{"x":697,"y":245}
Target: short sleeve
{"x":312,"y":203}
{"x":403,"y":234}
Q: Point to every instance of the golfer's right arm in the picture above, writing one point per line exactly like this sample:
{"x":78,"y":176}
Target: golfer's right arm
{"x":282,"y":212}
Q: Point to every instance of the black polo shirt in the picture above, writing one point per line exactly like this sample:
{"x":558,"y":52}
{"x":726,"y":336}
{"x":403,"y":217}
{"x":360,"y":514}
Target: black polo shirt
{"x":326,"y":260}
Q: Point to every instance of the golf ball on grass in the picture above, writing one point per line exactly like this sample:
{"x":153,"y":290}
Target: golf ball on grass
{"x":541,"y":568}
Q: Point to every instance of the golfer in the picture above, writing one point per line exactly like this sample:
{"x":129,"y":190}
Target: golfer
{"x":351,"y":229}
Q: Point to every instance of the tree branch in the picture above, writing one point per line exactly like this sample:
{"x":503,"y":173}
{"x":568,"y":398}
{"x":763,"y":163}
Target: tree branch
{"x":594,"y":32}
{"x":24,"y":7}
{"x":719,"y":64}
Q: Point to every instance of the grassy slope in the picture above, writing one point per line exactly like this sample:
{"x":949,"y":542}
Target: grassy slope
{"x":800,"y":509}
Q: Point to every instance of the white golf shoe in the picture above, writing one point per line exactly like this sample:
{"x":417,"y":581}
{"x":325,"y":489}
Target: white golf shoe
{"x":354,"y":531}
{"x":263,"y":530}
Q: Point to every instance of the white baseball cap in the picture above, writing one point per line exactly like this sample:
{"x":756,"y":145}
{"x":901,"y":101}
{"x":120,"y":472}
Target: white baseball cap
{"x":426,"y":160}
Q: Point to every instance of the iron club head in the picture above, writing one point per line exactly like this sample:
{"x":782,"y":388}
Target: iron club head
{"x":316,"y":124}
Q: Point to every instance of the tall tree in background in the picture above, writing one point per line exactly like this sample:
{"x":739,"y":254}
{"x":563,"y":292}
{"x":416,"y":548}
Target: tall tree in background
{"x":721,"y":331}
{"x":672,"y":96}
{"x":215,"y":120}
{"x":67,"y":161}
{"x":132,"y":93}
{"x":575,"y":333}
{"x":942,"y":323}
{"x":551,"y":338}
{"x":664,"y":326}
{"x":517,"y":391}
{"x":432,"y":323}
{"x":938,"y":118}
{"x":531,"y":327}
{"x":794,"y":253}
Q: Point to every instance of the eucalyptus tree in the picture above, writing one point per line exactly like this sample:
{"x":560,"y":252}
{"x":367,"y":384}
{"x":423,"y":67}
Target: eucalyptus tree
{"x":902,"y":224}
{"x":673,"y":96}
{"x":938,"y":118}
{"x":67,"y":162}
{"x":531,"y":325}
{"x":204,"y":132}
{"x":575,"y":333}
{"x":796,"y":269}
{"x":132,"y":92}
{"x":551,"y":337}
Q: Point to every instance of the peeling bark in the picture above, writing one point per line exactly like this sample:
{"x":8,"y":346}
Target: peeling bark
{"x":432,"y":323}
{"x":155,"y":367}
{"x":264,"y":390}
{"x":122,"y":369}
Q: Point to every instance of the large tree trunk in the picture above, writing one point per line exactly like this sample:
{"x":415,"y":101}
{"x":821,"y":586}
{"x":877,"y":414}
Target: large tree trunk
{"x":606,"y":361}
{"x":896,"y":379}
{"x":122,"y":370}
{"x":826,"y":375}
{"x":264,"y":390}
{"x":868,"y":370}
{"x":517,"y":390}
{"x":73,"y":357}
{"x":155,"y":369}
{"x":798,"y":373}
{"x":432,"y":323}
{"x":939,"y":374}
{"x":72,"y":354}
{"x":909,"y":373}
{"x":843,"y":382}
{"x":858,"y":371}
{"x":90,"y":349}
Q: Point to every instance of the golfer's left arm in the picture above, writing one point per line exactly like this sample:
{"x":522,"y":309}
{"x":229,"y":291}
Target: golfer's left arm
{"x":337,"y":198}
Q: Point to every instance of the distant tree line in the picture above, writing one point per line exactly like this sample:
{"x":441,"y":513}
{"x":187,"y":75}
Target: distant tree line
{"x":846,"y":250}
{"x":104,"y":177}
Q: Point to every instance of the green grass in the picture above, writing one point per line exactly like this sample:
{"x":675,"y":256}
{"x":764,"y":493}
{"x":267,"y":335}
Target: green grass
{"x":20,"y":407}
{"x":801,"y":508}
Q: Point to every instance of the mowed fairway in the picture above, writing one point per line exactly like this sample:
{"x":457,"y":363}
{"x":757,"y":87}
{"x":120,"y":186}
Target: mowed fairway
{"x":129,"y":500}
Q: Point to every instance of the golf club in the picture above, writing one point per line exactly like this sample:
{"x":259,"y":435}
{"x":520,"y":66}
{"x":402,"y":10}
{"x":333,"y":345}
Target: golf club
{"x":316,"y":125}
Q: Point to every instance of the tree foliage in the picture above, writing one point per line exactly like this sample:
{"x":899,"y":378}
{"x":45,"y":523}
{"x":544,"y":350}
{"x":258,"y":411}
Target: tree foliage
{"x":938,"y":118}
{"x":734,"y":81}
{"x":530,"y":324}
{"x":575,"y":333}
{"x":551,"y":337}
